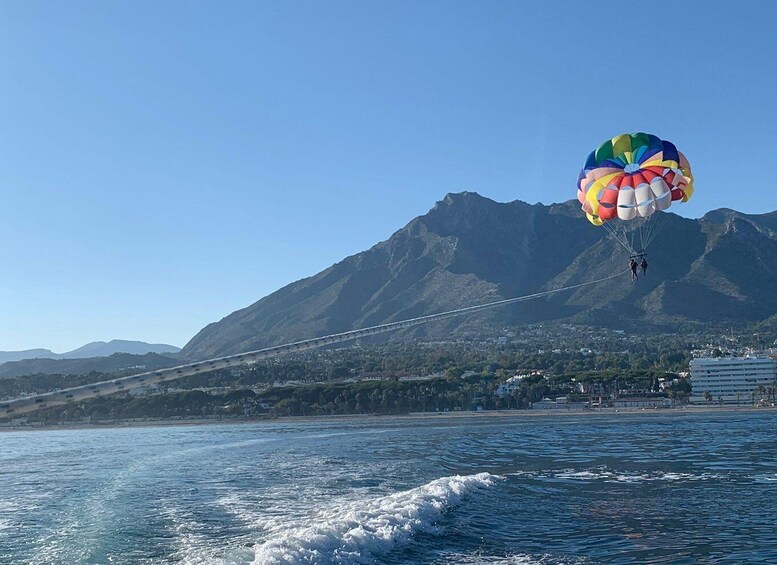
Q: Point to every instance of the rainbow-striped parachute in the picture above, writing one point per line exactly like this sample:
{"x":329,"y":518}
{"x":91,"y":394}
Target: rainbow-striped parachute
{"x":632,"y":176}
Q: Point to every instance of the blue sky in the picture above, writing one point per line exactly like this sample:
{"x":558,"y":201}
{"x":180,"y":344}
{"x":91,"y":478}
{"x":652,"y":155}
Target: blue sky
{"x":165,"y":163}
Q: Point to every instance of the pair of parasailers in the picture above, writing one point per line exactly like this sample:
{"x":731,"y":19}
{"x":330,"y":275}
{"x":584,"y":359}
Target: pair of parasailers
{"x":633,"y":266}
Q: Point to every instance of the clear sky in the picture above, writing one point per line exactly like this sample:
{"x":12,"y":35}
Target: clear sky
{"x":164,"y":163}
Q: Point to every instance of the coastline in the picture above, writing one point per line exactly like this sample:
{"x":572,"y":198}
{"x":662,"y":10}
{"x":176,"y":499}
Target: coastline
{"x":484,"y":414}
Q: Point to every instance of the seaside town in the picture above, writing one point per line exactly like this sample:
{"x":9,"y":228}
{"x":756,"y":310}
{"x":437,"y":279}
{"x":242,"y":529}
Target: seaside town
{"x":612,"y":372}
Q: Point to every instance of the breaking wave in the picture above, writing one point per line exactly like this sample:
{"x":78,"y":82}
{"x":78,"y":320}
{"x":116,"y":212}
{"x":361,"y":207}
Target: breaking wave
{"x":359,"y":531}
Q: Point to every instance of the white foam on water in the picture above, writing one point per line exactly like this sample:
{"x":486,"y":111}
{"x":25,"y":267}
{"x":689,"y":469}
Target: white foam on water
{"x":511,"y":559}
{"x":626,"y":477}
{"x":355,"y":532}
{"x":79,"y":528}
{"x":257,"y":512}
{"x":54,"y":547}
{"x":237,"y":506}
{"x":8,"y":510}
{"x":192,"y":546}
{"x":607,"y":475}
{"x":15,"y":512}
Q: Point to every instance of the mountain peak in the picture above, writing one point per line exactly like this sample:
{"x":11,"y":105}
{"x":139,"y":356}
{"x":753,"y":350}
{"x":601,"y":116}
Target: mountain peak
{"x":464,"y":195}
{"x":719,"y":216}
{"x":462,"y":199}
{"x":469,"y":249}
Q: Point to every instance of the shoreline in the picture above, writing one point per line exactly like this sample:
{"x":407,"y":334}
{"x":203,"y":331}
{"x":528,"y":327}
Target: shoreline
{"x":484,"y":414}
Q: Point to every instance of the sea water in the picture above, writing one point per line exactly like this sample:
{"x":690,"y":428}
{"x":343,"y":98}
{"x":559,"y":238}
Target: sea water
{"x":640,"y":488}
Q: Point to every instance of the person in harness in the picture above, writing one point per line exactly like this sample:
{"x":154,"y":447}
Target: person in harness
{"x":633,"y":267}
{"x":644,"y":265}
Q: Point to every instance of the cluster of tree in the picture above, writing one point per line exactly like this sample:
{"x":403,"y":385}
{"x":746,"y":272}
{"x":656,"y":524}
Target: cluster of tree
{"x":428,"y":359}
{"x":611,"y":382}
{"x":573,"y":350}
{"x":369,"y":397}
{"x":185,"y":404}
{"x":597,"y":363}
{"x":449,"y":393}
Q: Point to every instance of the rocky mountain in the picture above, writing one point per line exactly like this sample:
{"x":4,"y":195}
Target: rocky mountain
{"x":93,"y":349}
{"x":470,"y":250}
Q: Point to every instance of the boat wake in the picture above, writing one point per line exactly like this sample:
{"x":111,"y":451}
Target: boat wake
{"x":359,"y":531}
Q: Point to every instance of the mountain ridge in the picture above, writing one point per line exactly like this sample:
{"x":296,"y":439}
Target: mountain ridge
{"x":469,"y":249}
{"x":92,"y":349}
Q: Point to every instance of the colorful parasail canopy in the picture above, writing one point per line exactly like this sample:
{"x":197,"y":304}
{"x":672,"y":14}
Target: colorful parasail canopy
{"x":633,"y":176}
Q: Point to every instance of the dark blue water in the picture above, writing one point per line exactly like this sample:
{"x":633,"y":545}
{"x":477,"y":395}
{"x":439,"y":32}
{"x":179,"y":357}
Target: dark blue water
{"x":663,"y":488}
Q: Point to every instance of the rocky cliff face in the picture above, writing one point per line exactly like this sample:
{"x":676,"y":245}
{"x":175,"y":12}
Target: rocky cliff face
{"x":469,"y":250}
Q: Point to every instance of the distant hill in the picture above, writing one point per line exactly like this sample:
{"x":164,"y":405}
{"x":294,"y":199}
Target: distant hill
{"x":116,"y":363}
{"x":6,"y":356}
{"x":94,"y":349}
{"x":104,"y":349}
{"x":470,"y":250}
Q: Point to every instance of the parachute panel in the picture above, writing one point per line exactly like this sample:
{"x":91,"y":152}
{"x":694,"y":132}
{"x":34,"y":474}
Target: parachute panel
{"x":627,"y":204}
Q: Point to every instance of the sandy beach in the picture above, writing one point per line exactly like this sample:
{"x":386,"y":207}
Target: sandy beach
{"x":484,"y":414}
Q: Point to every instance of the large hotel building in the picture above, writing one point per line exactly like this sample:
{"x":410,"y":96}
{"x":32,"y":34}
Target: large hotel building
{"x":731,"y":380}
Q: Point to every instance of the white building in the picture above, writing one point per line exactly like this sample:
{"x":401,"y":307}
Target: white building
{"x":510,"y":386}
{"x":730,"y":380}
